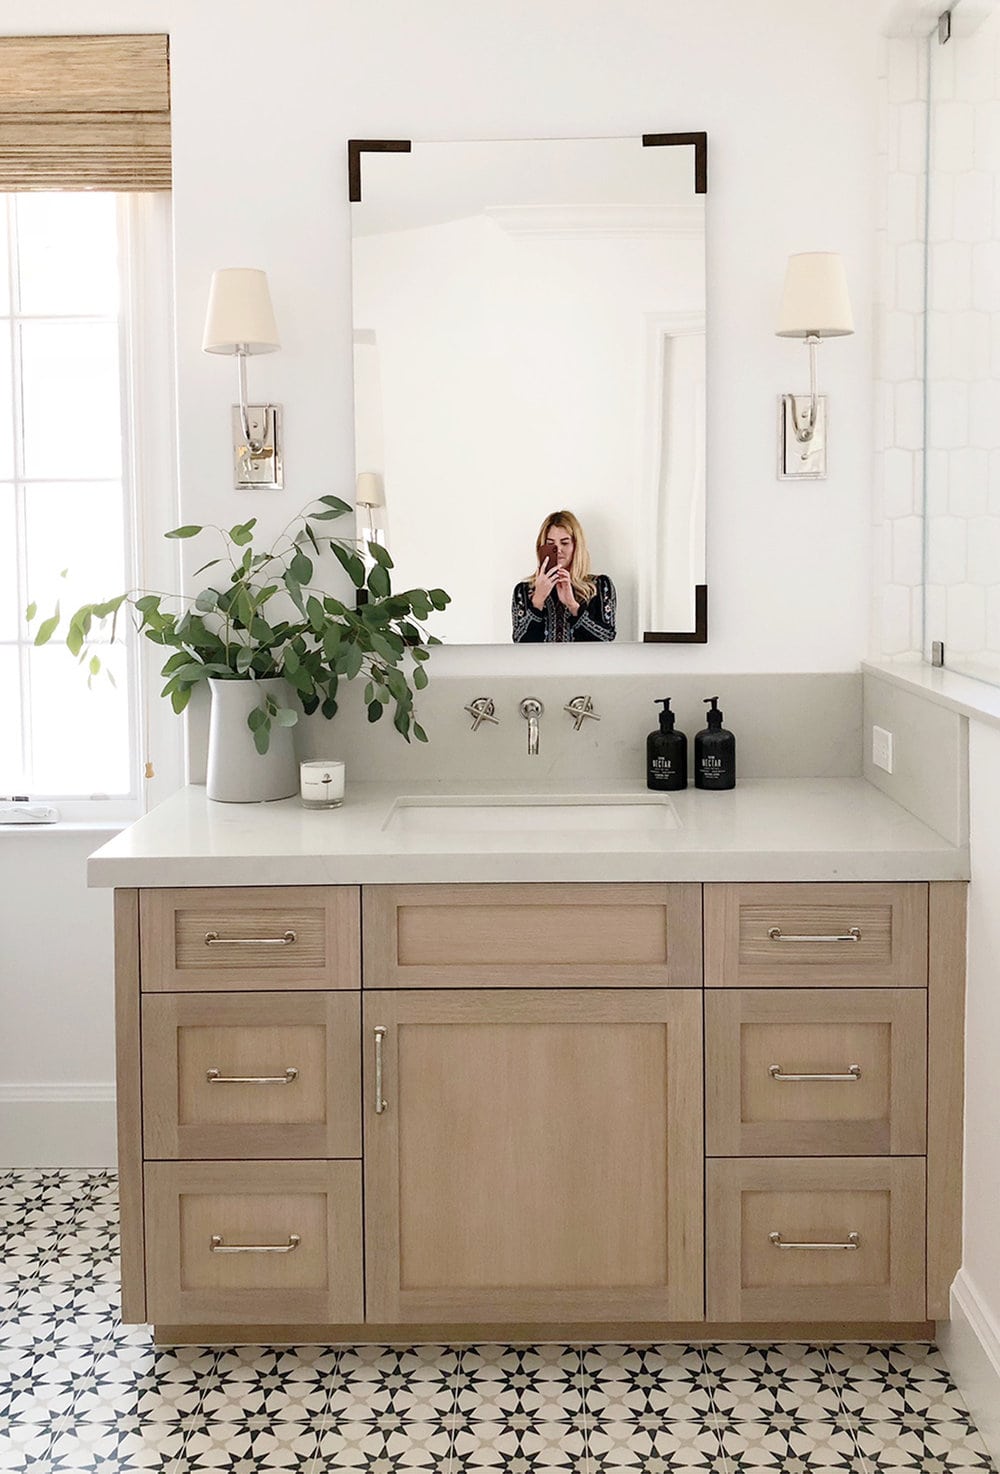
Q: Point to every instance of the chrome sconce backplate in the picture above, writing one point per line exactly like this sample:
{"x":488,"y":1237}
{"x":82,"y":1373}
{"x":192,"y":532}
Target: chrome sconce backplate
{"x":258,"y":466}
{"x":801,"y":457}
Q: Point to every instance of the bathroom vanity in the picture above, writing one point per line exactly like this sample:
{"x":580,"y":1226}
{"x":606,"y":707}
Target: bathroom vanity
{"x":638,"y":1080}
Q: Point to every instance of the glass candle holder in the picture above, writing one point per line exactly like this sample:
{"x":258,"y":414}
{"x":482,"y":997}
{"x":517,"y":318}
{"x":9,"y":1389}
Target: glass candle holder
{"x":321,"y":784}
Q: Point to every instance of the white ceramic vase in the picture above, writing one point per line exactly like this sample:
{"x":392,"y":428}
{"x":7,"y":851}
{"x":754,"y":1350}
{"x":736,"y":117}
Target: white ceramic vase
{"x":237,"y":772}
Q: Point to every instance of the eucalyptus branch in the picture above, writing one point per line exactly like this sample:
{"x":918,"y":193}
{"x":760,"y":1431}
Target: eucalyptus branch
{"x":229,"y":633}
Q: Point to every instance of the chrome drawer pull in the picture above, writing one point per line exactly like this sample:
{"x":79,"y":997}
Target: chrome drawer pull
{"x":218,"y":1247}
{"x":380,"y":1104}
{"x":212,"y":939}
{"x":214,"y":1078}
{"x":853,"y":1241}
{"x":853,"y":1073}
{"x":776,"y":935}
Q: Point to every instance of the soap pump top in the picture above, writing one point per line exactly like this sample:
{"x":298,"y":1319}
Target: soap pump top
{"x":714,"y":751}
{"x":666,"y":754}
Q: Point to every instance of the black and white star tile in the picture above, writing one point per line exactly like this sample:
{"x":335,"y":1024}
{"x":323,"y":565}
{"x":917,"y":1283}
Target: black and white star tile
{"x":81,"y":1393}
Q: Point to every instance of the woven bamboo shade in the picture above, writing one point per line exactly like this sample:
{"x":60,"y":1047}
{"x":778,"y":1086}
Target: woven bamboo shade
{"x":84,"y":112}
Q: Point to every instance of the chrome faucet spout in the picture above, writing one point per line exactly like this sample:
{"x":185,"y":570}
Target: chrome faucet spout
{"x":531,"y":710}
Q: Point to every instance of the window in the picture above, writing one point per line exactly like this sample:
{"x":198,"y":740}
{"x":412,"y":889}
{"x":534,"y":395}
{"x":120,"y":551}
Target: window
{"x":74,"y":301}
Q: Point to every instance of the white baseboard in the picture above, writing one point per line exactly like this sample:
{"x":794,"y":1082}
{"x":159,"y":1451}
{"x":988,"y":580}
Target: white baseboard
{"x":49,"y":1125}
{"x":970,"y":1342}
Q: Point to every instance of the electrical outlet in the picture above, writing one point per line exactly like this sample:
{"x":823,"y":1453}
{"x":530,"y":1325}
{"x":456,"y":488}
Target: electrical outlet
{"x":882,"y":748}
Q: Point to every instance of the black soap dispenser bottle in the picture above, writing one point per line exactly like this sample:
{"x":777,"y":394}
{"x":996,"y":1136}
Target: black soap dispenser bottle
{"x":714,"y":752}
{"x":666,"y":754}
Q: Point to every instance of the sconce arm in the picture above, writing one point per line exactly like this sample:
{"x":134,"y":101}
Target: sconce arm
{"x":241,"y":374}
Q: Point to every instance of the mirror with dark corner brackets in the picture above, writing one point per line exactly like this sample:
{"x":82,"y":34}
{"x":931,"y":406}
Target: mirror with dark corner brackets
{"x":529,"y":337}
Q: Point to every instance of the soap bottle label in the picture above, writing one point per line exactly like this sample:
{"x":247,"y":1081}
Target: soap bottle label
{"x":663,"y":767}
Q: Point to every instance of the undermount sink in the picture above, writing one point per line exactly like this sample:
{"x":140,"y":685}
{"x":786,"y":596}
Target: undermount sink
{"x":533,"y":814}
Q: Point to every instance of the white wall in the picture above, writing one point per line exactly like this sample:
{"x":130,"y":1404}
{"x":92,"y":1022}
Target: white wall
{"x":264,"y":100}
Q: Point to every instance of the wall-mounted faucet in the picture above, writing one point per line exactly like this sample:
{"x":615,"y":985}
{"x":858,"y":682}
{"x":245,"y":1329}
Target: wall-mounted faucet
{"x":481,"y":710}
{"x":579,"y":709}
{"x":531,"y":710}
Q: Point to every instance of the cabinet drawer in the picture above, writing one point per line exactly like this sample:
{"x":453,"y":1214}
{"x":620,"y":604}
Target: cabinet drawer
{"x":777,"y":1230}
{"x":517,"y":936}
{"x":251,"y":1075}
{"x":295,"y":1228}
{"x":249,"y":938}
{"x":808,"y":936}
{"x":768,"y":1051}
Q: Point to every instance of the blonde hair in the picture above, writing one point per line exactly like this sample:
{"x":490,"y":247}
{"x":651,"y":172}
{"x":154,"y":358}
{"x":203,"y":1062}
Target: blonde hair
{"x":583,"y":581}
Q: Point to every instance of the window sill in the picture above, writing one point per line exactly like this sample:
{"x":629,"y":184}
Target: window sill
{"x":964,"y":694}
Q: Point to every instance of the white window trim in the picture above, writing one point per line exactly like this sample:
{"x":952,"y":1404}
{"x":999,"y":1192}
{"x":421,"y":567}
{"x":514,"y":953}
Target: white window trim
{"x":149,"y":466}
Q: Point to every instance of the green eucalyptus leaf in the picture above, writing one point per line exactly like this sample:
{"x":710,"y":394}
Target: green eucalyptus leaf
{"x":244,"y":658}
{"x":205,"y":566}
{"x":243,"y":532}
{"x":47,"y":628}
{"x":294,"y":592}
{"x":286,"y":716}
{"x":419,"y":678}
{"x":30,"y":612}
{"x":378,"y":582}
{"x":301,"y":568}
{"x":262,"y":736}
{"x":256,"y":718}
{"x":419,"y":732}
{"x":187,"y":531}
{"x":95,"y":665}
{"x":312,"y":537}
{"x":439,"y":598}
{"x":179,"y":698}
{"x":330,"y":707}
{"x":207,"y":601}
{"x":381,"y":555}
{"x":351,"y":564}
{"x":375,"y":710}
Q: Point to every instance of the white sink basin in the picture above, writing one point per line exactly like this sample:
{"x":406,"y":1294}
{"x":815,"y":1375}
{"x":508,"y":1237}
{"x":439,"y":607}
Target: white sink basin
{"x":541,"y":814}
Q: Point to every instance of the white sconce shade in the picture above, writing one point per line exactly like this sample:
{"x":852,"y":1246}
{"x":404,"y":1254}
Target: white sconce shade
{"x":815,"y":301}
{"x":239,"y":322}
{"x":240,"y":318}
{"x":368,"y":490}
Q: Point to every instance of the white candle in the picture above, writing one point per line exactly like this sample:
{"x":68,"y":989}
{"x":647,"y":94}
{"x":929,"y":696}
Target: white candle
{"x":321,"y":784}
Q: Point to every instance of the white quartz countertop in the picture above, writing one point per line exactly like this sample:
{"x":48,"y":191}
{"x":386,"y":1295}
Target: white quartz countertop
{"x":764,"y":829}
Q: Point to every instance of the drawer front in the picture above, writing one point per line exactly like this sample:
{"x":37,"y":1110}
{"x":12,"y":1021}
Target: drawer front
{"x":816,"y":1072}
{"x":517,"y":936}
{"x":244,"y":1243}
{"x":839,"y":1240}
{"x":809,"y":936}
{"x":249,"y":938}
{"x":251,"y":1075}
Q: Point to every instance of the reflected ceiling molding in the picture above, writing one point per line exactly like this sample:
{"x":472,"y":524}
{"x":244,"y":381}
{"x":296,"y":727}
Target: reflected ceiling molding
{"x":358,"y":146}
{"x":567,"y":221}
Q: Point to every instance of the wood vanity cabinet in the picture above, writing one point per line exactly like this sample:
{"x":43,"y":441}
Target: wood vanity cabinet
{"x":448,"y":1106}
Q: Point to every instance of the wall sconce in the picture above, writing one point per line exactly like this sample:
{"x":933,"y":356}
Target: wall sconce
{"x":240,"y":321}
{"x":815,"y":304}
{"x":368,"y":495}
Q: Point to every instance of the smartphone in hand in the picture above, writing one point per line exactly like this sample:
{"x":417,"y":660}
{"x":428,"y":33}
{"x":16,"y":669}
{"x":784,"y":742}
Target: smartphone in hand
{"x":549,"y":553}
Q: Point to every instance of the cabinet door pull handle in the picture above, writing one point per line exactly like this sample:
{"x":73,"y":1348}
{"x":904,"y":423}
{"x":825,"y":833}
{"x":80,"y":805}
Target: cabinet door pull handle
{"x":853,"y":1241}
{"x":380,"y":1103}
{"x":775,"y":934}
{"x":217,"y":1246}
{"x":212,"y":939}
{"x":214,"y":1078}
{"x":853,"y":1073}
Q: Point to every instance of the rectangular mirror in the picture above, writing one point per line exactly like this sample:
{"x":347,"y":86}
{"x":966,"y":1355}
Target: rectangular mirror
{"x":529,"y":338}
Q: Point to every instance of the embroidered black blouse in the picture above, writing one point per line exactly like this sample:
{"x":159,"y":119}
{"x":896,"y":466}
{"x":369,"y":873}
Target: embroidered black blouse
{"x":594,"y":621}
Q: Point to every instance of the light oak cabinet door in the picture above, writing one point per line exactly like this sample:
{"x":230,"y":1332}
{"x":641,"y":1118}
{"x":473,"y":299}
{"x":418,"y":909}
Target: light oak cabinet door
{"x":815,"y":1072}
{"x":533,"y":1155}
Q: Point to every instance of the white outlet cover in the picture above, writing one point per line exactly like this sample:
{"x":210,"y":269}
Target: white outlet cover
{"x":882,"y":748}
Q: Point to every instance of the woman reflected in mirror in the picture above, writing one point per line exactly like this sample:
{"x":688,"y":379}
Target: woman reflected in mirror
{"x":562,"y":599}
